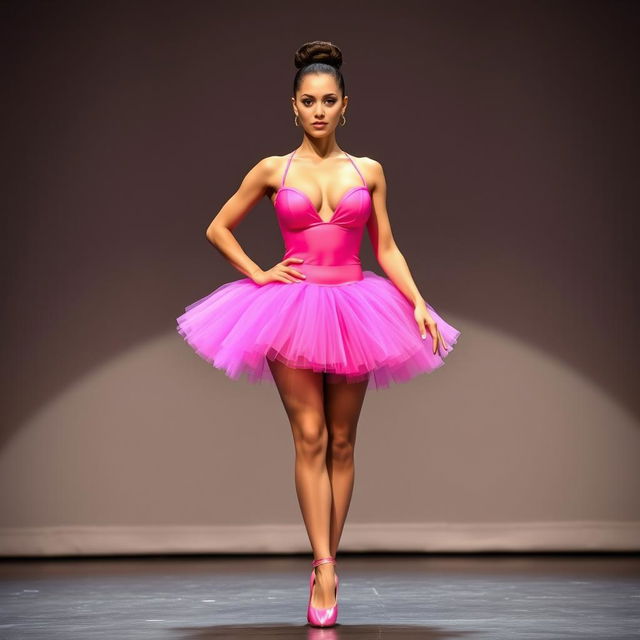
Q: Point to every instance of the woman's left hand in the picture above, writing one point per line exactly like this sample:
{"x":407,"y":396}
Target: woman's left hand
{"x":427,"y":323}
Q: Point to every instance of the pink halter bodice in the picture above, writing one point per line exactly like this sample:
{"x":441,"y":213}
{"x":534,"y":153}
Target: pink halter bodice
{"x":330,"y":249}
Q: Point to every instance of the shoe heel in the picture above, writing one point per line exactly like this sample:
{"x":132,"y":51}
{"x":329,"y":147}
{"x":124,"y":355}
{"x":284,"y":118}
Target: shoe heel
{"x":316,"y":616}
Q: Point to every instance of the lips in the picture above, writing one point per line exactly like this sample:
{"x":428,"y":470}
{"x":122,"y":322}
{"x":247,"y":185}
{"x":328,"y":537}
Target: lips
{"x":319,"y":124}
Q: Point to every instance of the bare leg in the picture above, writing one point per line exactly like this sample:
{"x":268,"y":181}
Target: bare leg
{"x":301,"y":391}
{"x":343,"y":403}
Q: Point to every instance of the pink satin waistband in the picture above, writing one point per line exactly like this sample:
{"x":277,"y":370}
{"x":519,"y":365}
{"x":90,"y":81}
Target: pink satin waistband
{"x":330,"y":274}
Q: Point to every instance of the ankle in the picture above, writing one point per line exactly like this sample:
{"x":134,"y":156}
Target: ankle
{"x":322,"y":560}
{"x":324,"y":568}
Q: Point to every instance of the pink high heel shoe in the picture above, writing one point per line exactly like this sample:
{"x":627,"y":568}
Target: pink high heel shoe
{"x":318,"y":617}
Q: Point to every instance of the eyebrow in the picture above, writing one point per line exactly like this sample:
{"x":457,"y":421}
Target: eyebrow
{"x":333,"y":93}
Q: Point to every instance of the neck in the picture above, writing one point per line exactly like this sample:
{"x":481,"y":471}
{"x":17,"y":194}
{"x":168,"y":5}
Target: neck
{"x":320,"y":148}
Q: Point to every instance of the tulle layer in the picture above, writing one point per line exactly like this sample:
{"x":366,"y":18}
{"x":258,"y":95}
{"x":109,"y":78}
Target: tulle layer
{"x":354,"y":331}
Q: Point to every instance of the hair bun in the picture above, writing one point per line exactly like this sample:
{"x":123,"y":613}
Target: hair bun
{"x":318,"y":51}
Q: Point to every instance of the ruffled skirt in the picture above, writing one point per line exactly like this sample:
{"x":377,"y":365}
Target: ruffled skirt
{"x":355,"y":331}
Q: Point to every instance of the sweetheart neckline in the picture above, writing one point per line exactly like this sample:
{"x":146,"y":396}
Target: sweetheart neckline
{"x":308,"y":199}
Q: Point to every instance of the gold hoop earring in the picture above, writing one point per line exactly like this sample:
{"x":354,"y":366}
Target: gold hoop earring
{"x":295,"y":120}
{"x":344,"y":120}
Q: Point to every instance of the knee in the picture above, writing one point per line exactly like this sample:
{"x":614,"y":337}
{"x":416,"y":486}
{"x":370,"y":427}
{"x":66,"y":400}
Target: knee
{"x":310,"y":437}
{"x":341,"y":449}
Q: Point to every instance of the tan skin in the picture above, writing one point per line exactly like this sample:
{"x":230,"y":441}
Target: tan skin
{"x":323,"y":410}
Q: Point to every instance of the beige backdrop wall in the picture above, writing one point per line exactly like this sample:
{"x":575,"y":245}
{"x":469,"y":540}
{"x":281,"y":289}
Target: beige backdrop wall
{"x":508,"y":134}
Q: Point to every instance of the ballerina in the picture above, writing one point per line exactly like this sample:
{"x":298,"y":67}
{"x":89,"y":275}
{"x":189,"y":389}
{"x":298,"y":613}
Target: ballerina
{"x":315,"y":324}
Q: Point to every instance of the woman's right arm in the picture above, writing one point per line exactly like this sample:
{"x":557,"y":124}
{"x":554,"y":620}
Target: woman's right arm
{"x":253,"y":187}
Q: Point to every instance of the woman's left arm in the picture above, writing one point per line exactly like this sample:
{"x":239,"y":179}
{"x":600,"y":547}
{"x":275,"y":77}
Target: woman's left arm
{"x":390,"y":257}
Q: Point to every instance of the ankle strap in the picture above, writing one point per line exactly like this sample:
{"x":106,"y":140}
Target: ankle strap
{"x":328,"y":559}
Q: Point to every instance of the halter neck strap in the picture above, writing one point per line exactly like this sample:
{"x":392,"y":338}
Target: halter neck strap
{"x":364,"y":182}
{"x":284,"y":175}
{"x":355,"y":166}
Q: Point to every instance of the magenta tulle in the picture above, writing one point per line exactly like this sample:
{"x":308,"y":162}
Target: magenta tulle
{"x":351,"y":324}
{"x":356,"y":330}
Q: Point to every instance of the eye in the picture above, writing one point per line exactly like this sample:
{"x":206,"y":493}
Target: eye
{"x":307,"y":101}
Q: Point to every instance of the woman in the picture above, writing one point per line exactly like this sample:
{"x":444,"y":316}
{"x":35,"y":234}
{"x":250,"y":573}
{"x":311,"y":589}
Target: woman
{"x":337,"y":330}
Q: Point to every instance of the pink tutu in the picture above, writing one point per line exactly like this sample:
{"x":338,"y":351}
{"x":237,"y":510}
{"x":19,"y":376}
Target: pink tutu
{"x":352,"y":324}
{"x":356,"y":330}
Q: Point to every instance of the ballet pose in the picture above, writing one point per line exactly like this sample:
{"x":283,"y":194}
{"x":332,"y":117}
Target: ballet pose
{"x":315,"y":324}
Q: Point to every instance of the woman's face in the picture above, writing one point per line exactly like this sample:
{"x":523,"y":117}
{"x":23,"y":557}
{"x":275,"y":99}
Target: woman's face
{"x":319,"y":101}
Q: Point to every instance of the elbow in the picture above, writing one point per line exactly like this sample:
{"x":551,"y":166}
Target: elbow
{"x":387,"y":250}
{"x":212,"y":234}
{"x":208,"y":234}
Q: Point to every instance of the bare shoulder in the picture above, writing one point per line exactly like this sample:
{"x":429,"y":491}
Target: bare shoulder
{"x":269,"y":164}
{"x":372,"y":169}
{"x":273,"y":164}
{"x":370,"y":163}
{"x":266,"y":170}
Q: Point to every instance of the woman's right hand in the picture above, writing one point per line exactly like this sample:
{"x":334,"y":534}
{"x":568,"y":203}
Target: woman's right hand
{"x":280,"y":273}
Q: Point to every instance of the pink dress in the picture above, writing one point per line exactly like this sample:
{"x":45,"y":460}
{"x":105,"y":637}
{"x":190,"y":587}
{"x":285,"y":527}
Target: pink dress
{"x":342,"y":320}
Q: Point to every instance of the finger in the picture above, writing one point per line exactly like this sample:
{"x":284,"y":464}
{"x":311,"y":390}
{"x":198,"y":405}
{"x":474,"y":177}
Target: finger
{"x":422,"y":330}
{"x":283,"y":272}
{"x":440,"y":344}
{"x":444,"y":344}
{"x":433,"y":328}
{"x":285,"y":277}
{"x":424,"y":327}
{"x":295,"y":272}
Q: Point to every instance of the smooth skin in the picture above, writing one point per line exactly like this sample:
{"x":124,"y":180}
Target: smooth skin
{"x":322,"y":409}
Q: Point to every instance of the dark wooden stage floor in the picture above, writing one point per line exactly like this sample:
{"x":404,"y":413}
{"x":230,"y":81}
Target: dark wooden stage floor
{"x":480,"y":597}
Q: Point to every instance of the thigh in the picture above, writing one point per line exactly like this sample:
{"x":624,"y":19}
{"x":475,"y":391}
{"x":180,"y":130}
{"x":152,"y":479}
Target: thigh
{"x":301,"y":392}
